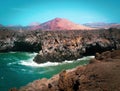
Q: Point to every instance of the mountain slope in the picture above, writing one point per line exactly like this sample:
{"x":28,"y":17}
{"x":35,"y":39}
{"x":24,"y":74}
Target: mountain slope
{"x":55,"y":24}
{"x":62,"y":24}
{"x":1,"y":25}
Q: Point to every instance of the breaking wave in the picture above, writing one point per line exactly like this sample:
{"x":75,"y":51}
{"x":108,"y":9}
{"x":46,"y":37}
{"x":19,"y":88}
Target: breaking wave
{"x":33,"y":64}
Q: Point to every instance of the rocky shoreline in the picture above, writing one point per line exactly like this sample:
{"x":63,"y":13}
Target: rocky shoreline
{"x":25,"y":41}
{"x":68,"y":45}
{"x":102,"y":74}
{"x":57,"y":46}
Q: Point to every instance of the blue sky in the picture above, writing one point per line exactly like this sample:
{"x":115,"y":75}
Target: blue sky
{"x":24,"y":12}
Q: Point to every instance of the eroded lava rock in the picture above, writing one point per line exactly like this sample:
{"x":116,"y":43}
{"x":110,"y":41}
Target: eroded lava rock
{"x":100,"y":75}
{"x":59,"y":46}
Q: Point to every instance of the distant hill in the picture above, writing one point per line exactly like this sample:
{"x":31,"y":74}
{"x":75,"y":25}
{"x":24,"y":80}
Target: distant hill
{"x":1,"y":25}
{"x":62,"y":24}
{"x":55,"y":24}
{"x":103,"y":25}
{"x":34,"y":26}
{"x":30,"y":27}
{"x":115,"y":26}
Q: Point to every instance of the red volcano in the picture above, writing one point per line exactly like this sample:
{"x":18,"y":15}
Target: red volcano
{"x":62,"y":24}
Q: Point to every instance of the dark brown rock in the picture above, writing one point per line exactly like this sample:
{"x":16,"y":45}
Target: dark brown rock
{"x":98,"y":76}
{"x":68,"y":45}
{"x":57,"y":46}
{"x":13,"y":89}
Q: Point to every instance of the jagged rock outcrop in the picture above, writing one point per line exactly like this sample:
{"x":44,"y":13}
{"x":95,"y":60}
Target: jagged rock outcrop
{"x":68,"y":45}
{"x":28,"y":41}
{"x":59,"y":45}
{"x":99,"y":75}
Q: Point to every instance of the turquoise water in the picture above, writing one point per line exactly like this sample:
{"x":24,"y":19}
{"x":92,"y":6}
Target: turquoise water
{"x":17,"y":69}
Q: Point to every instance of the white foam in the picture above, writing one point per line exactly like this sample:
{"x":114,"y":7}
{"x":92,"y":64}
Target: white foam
{"x":31,"y":55}
{"x":66,"y":61}
{"x":86,"y":58}
{"x":12,"y":63}
{"x":33,"y":64}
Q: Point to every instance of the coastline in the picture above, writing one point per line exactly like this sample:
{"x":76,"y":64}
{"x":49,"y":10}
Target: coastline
{"x":102,"y":73}
{"x":21,"y":67}
{"x":56,"y":46}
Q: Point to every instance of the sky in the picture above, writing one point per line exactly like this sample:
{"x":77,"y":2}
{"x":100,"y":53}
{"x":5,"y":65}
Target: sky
{"x":25,"y":12}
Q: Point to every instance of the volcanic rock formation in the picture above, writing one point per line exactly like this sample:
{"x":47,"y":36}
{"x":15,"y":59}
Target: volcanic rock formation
{"x":102,"y":74}
{"x":62,"y":24}
{"x":58,"y":46}
{"x":54,"y":24}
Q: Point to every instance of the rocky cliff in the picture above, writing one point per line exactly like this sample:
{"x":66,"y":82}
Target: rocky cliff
{"x":28,"y":41}
{"x":102,"y":74}
{"x":59,"y":45}
{"x":68,"y":45}
{"x":54,"y":24}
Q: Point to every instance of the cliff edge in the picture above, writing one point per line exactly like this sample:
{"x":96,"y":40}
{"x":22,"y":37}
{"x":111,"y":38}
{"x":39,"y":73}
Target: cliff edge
{"x":102,"y":74}
{"x":57,"y":46}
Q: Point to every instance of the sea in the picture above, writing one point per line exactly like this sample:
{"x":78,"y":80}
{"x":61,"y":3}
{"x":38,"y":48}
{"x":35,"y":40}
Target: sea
{"x":18,"y":68}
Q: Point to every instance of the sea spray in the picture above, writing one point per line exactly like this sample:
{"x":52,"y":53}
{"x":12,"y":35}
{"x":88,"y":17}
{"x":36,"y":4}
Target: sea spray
{"x":30,"y":62}
{"x":28,"y":58}
{"x":18,"y":68}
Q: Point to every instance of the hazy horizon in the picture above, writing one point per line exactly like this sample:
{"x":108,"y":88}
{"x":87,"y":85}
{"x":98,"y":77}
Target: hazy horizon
{"x":24,"y":12}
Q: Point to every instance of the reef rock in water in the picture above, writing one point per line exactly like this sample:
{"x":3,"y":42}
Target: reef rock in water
{"x":58,"y":46}
{"x":102,"y":74}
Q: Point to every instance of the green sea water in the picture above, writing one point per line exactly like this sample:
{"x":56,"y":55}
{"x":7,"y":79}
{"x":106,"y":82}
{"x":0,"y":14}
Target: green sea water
{"x":17,"y":69}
